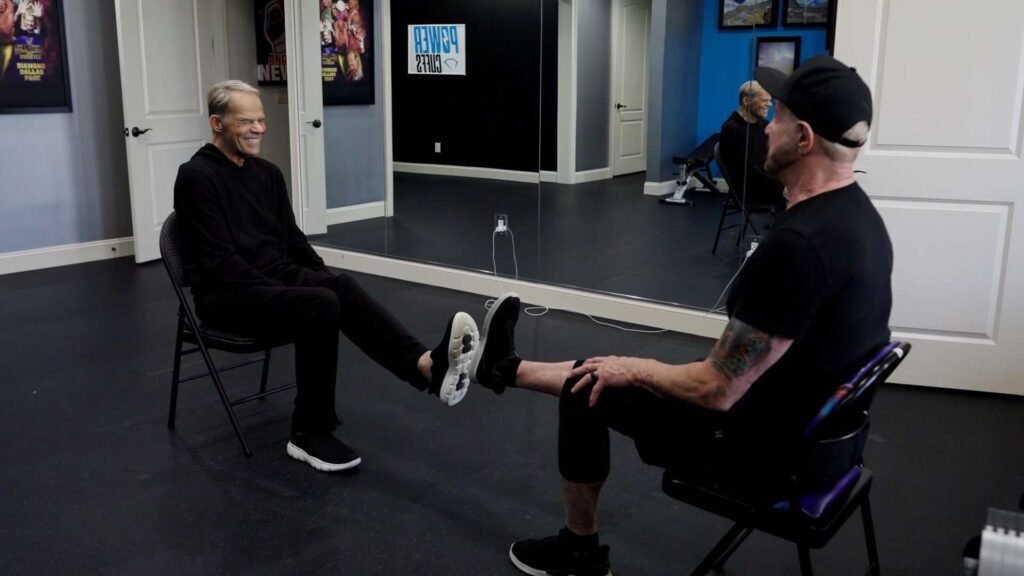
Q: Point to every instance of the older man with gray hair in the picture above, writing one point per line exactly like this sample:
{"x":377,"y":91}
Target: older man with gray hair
{"x":253,"y":272}
{"x":743,"y":148}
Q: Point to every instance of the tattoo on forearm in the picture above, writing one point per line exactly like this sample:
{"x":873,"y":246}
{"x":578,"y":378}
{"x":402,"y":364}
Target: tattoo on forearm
{"x":739,"y":349}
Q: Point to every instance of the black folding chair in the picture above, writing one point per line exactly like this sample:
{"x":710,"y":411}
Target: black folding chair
{"x":808,"y":520}
{"x":734,"y":204}
{"x":206,"y":338}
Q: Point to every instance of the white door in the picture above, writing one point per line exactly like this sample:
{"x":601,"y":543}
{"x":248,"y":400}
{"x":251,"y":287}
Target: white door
{"x":168,"y":56}
{"x":631,"y":27}
{"x":305,"y":115}
{"x":944,"y":166}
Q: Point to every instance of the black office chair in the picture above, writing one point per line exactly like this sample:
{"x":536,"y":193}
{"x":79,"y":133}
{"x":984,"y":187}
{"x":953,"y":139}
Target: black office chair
{"x":734,"y":204}
{"x":808,"y":520}
{"x":206,"y":338}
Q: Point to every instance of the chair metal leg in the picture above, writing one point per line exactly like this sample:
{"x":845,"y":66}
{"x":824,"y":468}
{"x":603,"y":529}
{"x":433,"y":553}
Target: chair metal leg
{"x":869,"y":537}
{"x":720,"y":553}
{"x":266,"y":371}
{"x":805,"y":560}
{"x":176,"y":373}
{"x":223,"y":395}
{"x":721,"y":221}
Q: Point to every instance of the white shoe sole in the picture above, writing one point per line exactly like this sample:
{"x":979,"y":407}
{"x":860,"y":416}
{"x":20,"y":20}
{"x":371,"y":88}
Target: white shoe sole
{"x":483,"y":333}
{"x":303,"y":456}
{"x":459,"y":362}
{"x":533,"y":571}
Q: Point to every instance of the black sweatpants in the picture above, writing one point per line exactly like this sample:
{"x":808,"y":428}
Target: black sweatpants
{"x":310,"y":310}
{"x":666,"y":432}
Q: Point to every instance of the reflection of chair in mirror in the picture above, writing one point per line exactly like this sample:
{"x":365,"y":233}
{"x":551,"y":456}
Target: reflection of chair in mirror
{"x":734,"y":204}
{"x":807,"y":520}
{"x":694,"y":166}
{"x":207,"y":338}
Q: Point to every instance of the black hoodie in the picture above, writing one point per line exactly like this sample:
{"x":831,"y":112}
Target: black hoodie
{"x":236,"y":222}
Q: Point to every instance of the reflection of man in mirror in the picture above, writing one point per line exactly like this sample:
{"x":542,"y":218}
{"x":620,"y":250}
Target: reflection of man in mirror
{"x":744,"y":148}
{"x":253,"y":272}
{"x":7,"y":12}
{"x":806,"y":310}
{"x":30,"y":17}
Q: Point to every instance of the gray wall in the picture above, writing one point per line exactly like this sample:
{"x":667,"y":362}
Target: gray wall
{"x":674,"y":93}
{"x":354,"y":142}
{"x":593,"y":95}
{"x":65,"y":177}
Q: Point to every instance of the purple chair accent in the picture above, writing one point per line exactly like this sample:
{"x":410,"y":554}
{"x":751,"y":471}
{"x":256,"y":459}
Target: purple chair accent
{"x":815,"y":505}
{"x":807,"y":520}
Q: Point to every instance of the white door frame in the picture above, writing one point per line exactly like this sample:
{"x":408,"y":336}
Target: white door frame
{"x":305,"y":117}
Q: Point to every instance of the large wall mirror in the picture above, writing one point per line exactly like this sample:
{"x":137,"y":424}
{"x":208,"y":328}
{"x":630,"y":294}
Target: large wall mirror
{"x":572,"y":119}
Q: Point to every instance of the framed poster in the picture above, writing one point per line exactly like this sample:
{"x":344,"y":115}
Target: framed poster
{"x":33,"y":57}
{"x":271,"y":59}
{"x":779,"y":52}
{"x":805,"y":12}
{"x":346,"y":51}
{"x":739,"y":14}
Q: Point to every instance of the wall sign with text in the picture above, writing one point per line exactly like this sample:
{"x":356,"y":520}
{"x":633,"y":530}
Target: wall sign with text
{"x":437,"y":49}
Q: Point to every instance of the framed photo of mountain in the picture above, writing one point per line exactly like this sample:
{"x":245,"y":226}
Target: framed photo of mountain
{"x":740,"y":14}
{"x":805,"y":12}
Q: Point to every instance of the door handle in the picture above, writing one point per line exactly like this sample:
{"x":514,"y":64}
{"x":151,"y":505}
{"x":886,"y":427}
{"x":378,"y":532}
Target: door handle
{"x":316,"y":123}
{"x":619,"y":106}
{"x":136,"y":132}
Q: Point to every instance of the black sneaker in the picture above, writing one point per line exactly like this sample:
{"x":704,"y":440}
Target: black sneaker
{"x":323,"y":452}
{"x":495,"y":365}
{"x":560,"y":556}
{"x":452,"y":358}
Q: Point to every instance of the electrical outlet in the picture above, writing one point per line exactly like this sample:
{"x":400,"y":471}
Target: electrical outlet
{"x":501,"y":223}
{"x":437,"y":147}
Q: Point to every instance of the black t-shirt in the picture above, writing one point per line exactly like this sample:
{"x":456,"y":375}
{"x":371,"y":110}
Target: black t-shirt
{"x":237,"y":225}
{"x":822,"y":277}
{"x":744,"y":146}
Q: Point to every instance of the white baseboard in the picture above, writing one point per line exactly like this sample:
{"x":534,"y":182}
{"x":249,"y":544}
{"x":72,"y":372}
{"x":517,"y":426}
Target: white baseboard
{"x":548,"y":176}
{"x":468,"y":172}
{"x":614,"y":307}
{"x":659,"y":188}
{"x":53,"y":256}
{"x":355,"y":213}
{"x":592,"y":175}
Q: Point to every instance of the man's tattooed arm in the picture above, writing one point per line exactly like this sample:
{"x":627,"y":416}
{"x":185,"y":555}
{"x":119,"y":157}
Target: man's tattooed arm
{"x":740,"y":348}
{"x":739,"y":358}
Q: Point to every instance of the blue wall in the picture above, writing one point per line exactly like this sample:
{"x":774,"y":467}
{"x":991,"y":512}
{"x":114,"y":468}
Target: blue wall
{"x":727,"y":60}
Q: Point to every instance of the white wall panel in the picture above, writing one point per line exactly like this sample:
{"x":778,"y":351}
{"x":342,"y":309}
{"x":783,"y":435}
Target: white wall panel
{"x":949,"y":265}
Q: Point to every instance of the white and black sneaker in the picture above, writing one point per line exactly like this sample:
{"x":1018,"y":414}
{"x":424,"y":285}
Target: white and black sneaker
{"x":496,"y":364}
{"x":452,"y":359}
{"x":323,"y":452}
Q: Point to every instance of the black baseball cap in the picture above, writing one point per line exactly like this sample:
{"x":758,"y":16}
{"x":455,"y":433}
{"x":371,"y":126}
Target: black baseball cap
{"x":825,"y":93}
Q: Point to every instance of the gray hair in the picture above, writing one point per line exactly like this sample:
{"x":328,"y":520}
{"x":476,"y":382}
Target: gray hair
{"x":749,"y":89}
{"x":219,"y":96}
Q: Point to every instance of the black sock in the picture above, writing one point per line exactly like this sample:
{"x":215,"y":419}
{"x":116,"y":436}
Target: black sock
{"x":439,"y":359}
{"x":577,"y":542}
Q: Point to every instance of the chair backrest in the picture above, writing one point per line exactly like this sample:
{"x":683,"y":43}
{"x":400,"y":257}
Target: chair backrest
{"x":721,"y":165}
{"x":854,"y":396}
{"x":170,"y":250}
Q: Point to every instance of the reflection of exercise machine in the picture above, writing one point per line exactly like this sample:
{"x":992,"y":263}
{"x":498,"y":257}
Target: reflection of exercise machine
{"x":694,"y":166}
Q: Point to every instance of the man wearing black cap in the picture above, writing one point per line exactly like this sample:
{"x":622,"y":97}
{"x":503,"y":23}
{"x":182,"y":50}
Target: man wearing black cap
{"x":805,"y":310}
